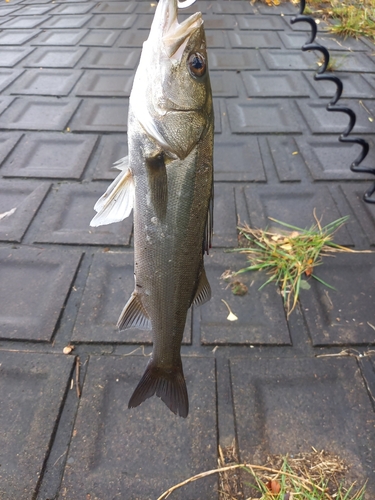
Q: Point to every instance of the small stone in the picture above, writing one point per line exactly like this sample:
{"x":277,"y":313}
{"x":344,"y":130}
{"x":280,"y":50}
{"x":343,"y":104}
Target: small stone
{"x":68,"y":349}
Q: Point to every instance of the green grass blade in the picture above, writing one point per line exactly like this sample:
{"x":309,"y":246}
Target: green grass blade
{"x":323,"y":282}
{"x":266,"y":283}
{"x":286,"y":225}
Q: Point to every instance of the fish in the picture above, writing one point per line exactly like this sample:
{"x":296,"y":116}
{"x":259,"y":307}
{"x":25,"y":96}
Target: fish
{"x":167,"y":179}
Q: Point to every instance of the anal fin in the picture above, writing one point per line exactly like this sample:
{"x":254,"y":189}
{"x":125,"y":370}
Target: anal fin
{"x":134,"y":315}
{"x":203,"y":293}
{"x":167,"y":384}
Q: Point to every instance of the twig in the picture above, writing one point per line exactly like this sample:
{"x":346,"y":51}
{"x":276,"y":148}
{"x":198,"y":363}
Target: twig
{"x":77,"y":377}
{"x":135,"y":350}
{"x":345,"y":352}
{"x":62,"y":454}
{"x":364,"y":107}
{"x":318,"y":221}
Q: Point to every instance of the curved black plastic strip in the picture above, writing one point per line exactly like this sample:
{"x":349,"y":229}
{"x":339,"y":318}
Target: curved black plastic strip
{"x":332,"y":106}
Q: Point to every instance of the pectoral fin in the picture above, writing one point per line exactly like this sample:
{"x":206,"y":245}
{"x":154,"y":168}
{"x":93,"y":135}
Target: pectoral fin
{"x":203,"y":293}
{"x":117,"y":202}
{"x":134,"y":315}
{"x":158,"y":182}
{"x":122,"y":163}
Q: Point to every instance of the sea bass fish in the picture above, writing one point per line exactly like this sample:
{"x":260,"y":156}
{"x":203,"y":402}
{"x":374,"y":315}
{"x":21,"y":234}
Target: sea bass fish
{"x":168,"y":180}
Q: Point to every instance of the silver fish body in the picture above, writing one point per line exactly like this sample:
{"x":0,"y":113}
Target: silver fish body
{"x":168,"y":178}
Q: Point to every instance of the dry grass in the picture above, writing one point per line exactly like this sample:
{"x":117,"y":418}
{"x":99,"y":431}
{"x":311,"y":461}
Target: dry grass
{"x":346,"y":17}
{"x":230,"y":486}
{"x":306,"y":476}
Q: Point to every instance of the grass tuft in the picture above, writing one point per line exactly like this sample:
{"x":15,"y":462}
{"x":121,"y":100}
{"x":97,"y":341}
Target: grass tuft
{"x":353,"y":18}
{"x":289,"y":258}
{"x":306,"y":476}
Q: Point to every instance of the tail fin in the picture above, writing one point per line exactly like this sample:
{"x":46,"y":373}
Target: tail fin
{"x":169,"y":385}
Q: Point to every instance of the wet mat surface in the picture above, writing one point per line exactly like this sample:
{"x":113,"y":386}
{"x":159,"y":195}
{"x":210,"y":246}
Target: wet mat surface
{"x":66,"y":72}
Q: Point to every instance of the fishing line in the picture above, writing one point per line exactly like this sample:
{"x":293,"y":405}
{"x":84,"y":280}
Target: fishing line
{"x":312,"y":44}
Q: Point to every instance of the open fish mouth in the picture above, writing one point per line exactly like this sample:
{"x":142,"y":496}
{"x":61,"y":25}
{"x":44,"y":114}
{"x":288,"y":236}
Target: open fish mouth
{"x":165,"y":26}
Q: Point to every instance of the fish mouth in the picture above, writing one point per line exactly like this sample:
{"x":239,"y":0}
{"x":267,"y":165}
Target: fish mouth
{"x":166,"y":28}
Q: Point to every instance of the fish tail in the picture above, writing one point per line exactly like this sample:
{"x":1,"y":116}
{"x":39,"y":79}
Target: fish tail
{"x":167,"y":384}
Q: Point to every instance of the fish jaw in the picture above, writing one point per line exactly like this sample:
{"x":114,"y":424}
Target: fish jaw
{"x":166,"y":33}
{"x":176,"y":39}
{"x":168,"y":38}
{"x":165,"y":18}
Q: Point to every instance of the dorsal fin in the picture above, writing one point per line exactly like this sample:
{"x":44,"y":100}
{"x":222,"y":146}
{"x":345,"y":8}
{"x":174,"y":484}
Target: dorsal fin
{"x":134,"y":315}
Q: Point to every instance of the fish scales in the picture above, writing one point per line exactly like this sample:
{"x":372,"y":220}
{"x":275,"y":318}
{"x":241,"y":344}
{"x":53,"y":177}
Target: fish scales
{"x":168,"y":180}
{"x":168,"y":254}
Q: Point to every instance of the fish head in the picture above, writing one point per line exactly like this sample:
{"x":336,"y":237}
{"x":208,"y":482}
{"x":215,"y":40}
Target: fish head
{"x":172,"y":87}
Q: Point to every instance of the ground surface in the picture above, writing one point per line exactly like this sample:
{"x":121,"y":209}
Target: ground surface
{"x":66,"y":70}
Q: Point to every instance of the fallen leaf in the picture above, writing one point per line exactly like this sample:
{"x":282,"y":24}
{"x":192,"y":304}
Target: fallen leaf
{"x":309,"y":270}
{"x":286,"y":246}
{"x":274,"y":486}
{"x":231,"y":316}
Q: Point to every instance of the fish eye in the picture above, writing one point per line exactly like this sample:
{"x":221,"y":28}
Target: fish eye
{"x":196,"y":64}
